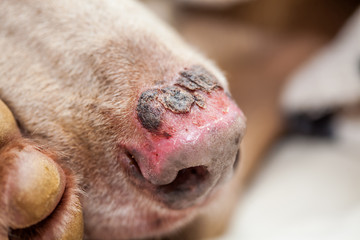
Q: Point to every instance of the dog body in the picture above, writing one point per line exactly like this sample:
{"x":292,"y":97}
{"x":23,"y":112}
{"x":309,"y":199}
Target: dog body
{"x":72,"y":73}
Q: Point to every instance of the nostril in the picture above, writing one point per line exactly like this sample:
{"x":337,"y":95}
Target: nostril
{"x":189,"y":184}
{"x":187,"y":180}
{"x":185,"y":190}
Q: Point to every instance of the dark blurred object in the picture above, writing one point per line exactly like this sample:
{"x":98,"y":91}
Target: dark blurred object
{"x":317,"y":125}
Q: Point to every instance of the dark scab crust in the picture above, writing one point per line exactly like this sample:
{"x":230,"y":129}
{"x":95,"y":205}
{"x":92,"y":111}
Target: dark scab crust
{"x":149,"y":110}
{"x":197,"y":78}
{"x":166,"y":135}
{"x":186,"y":83}
{"x":199,"y":100}
{"x":176,"y":99}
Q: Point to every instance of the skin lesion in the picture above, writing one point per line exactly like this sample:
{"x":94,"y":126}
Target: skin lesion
{"x":197,"y":78}
{"x":178,"y":98}
{"x":149,"y":110}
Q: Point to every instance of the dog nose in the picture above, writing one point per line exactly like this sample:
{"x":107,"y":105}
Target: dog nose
{"x":191,"y":138}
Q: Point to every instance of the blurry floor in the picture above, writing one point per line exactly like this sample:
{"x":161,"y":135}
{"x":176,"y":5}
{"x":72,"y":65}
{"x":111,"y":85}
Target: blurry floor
{"x":307,"y":189}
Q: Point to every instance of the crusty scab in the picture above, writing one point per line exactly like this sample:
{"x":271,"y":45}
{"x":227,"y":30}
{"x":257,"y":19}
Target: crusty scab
{"x":197,"y":78}
{"x":178,"y":98}
{"x":149,"y":110}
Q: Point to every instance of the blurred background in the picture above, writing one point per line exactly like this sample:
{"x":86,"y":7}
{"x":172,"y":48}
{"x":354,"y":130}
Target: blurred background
{"x":290,"y":186}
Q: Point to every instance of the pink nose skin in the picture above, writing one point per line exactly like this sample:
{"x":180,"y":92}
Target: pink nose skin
{"x":191,"y":135}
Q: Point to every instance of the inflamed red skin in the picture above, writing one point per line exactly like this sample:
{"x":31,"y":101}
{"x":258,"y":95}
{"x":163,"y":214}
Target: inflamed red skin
{"x":133,"y":122}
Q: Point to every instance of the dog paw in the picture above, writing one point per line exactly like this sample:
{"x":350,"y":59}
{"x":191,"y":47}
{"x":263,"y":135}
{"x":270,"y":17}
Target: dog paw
{"x":38,"y":198}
